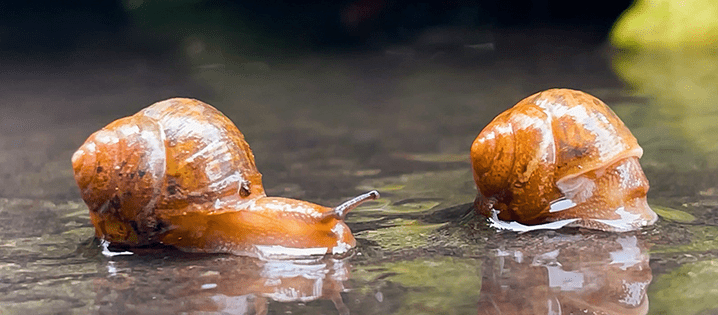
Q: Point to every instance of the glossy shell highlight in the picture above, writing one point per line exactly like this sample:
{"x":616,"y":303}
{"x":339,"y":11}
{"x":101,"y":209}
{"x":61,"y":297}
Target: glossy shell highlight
{"x":561,"y":154}
{"x":180,"y":173}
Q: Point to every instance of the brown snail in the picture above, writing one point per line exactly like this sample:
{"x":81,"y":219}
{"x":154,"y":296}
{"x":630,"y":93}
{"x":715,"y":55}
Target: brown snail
{"x":561,"y":155}
{"x":180,"y":173}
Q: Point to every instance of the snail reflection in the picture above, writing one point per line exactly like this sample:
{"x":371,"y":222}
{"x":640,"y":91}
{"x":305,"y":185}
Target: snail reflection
{"x":567,"y":274}
{"x":223,"y":285}
{"x":248,"y":290}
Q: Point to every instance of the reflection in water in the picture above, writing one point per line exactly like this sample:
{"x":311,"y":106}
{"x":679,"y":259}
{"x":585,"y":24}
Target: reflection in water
{"x":567,"y":274}
{"x":223,"y":285}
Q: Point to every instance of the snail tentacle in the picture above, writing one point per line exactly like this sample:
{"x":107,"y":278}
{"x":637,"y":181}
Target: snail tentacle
{"x":340,"y":211}
{"x":180,"y":173}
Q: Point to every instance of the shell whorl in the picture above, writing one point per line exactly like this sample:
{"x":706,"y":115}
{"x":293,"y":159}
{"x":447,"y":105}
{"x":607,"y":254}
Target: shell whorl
{"x":159,"y":161}
{"x":208,"y":159}
{"x":537,"y":152}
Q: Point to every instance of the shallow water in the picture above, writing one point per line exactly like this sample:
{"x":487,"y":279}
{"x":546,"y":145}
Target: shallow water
{"x":324,"y":128}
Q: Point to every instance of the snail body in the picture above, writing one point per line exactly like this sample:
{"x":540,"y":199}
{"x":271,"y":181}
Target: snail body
{"x":557,"y":155}
{"x":180,"y":173}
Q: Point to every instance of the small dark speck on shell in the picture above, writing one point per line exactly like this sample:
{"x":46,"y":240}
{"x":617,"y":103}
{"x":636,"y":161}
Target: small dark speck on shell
{"x":115,"y":202}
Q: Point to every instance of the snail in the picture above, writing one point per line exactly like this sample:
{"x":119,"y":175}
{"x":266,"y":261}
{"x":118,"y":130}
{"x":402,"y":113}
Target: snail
{"x":180,"y":173}
{"x":561,"y":155}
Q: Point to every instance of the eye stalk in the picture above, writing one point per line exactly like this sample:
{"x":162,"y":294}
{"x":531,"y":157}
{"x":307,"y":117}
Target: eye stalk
{"x":180,"y":173}
{"x":340,"y":211}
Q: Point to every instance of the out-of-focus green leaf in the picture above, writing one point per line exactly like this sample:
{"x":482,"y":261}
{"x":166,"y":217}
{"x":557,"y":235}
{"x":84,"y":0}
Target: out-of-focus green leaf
{"x":673,"y":214}
{"x":667,"y":24}
{"x":676,"y":125}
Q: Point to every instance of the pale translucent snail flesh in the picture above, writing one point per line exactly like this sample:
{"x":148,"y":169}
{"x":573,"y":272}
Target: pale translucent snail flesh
{"x":180,"y":173}
{"x":561,"y":155}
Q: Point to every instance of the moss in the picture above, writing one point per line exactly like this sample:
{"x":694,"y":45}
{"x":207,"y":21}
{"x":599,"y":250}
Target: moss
{"x":444,"y":285}
{"x":690,"y":289}
{"x":703,"y":239}
{"x":403,"y":234}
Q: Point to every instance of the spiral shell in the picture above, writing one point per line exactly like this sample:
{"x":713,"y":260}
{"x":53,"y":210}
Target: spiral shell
{"x":180,"y":173}
{"x":561,"y":154}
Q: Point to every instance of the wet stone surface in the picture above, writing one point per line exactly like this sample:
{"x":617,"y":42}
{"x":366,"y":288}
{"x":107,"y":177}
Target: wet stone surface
{"x":325,"y":128}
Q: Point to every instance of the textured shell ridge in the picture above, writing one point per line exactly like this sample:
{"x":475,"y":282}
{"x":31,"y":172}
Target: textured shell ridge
{"x":595,"y":140}
{"x":161,"y":159}
{"x":205,"y":147}
{"x":573,"y":159}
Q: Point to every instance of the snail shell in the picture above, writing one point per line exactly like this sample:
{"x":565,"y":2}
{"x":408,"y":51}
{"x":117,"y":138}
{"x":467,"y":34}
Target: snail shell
{"x":180,"y":173}
{"x":561,"y":154}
